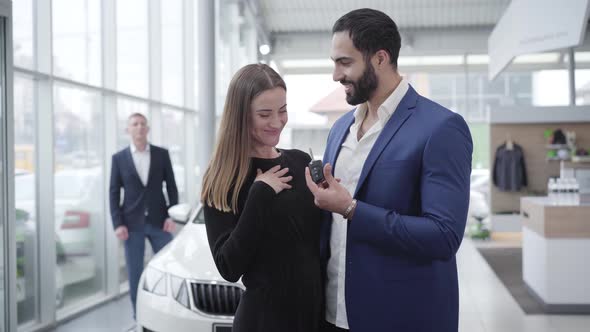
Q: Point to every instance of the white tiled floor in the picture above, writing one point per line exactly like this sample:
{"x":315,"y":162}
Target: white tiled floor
{"x":486,"y":306}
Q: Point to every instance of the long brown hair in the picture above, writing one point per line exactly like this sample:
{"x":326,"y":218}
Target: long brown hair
{"x":229,"y":166}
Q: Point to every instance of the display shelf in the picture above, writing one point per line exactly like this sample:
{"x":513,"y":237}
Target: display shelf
{"x":556,"y":146}
{"x":581,"y":159}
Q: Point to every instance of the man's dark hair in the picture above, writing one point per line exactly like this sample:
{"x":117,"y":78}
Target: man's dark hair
{"x":371,"y":31}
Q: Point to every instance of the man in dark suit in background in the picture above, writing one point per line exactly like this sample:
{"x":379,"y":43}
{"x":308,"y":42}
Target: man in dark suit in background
{"x":140,"y":170}
{"x":398,"y":214}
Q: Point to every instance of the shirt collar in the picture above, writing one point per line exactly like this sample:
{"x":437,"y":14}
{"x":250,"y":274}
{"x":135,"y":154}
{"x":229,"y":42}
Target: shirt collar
{"x":388,"y":107}
{"x":134,"y":148}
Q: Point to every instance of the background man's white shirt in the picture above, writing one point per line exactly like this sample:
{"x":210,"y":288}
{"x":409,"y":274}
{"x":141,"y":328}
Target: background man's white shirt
{"x":141,"y":160}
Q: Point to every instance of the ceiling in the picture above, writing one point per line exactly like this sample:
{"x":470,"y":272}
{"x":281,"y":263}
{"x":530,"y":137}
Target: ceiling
{"x":288,"y":16}
{"x":301,"y":29}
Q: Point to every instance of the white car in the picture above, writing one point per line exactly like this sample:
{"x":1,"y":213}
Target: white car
{"x":180,"y":289}
{"x":78,"y":198}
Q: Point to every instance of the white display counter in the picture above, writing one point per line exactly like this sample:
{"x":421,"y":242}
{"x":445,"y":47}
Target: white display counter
{"x":556,"y":253}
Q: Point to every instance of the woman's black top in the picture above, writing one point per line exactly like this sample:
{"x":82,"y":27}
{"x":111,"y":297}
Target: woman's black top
{"x":273,"y":244}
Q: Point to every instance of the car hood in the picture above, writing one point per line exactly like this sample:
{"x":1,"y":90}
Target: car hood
{"x":188,"y":255}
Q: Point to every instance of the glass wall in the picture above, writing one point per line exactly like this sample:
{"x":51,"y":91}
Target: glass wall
{"x":173,"y":140}
{"x":132,"y":47}
{"x":582,"y":77}
{"x":233,"y":48}
{"x":77,"y":40}
{"x":172,"y":59}
{"x":79,"y":193}
{"x":473,"y":96}
{"x":22,"y":35}
{"x":74,"y":115}
{"x":223,"y":69}
{"x":25,"y":199}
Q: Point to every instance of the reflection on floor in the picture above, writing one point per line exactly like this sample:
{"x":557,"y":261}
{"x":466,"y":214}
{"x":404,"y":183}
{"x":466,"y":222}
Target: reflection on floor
{"x":78,"y":278}
{"x":114,"y":316}
{"x":486,"y":305}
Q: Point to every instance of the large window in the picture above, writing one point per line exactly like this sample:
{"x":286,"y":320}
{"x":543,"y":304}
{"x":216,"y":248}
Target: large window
{"x":224,"y":69}
{"x":550,"y":87}
{"x":172,"y":70}
{"x":132,"y":47}
{"x":79,"y":193}
{"x":475,"y":97}
{"x":173,"y":140}
{"x":22,"y":34}
{"x":582,"y":77}
{"x":67,"y":125}
{"x":25,"y":199}
{"x":195,"y":54}
{"x":77,"y":40}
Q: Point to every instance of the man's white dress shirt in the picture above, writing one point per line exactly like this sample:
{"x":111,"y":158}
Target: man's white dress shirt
{"x":141,"y":160}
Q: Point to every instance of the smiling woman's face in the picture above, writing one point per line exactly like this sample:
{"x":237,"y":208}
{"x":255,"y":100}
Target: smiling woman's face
{"x":269,"y":117}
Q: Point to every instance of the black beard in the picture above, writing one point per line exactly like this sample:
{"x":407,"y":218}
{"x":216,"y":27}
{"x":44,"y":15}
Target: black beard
{"x":363,"y":88}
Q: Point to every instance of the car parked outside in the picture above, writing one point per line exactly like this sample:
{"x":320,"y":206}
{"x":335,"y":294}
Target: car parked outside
{"x":76,"y":211}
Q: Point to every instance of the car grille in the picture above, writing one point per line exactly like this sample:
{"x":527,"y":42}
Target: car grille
{"x":216,"y":299}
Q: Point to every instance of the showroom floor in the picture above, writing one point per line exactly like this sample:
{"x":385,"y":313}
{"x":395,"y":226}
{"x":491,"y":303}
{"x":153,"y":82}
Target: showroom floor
{"x":486,"y":305}
{"x":115,"y":316}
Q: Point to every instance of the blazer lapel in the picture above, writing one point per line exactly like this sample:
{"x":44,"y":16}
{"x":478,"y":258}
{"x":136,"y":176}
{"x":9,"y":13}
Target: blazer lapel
{"x":152,"y":151}
{"x":340,"y":136}
{"x":132,"y":166}
{"x":397,"y":119}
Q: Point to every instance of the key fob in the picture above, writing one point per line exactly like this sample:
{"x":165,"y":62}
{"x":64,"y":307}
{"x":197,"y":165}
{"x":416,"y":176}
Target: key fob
{"x":316,"y":170}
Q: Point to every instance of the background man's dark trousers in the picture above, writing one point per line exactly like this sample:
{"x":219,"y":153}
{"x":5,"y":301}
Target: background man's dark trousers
{"x":134,"y":253}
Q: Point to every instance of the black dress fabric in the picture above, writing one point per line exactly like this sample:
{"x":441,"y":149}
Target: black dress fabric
{"x":273,"y":244}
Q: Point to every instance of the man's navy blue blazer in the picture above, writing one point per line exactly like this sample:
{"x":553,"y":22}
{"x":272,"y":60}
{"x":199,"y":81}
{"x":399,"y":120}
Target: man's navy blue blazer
{"x":138,"y":198}
{"x":413,"y":196}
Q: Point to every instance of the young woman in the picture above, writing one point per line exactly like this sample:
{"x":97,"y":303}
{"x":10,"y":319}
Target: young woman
{"x":261,"y":220}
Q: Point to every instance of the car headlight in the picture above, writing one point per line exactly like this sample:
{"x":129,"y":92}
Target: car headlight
{"x":154,"y":281}
{"x":180,"y":290}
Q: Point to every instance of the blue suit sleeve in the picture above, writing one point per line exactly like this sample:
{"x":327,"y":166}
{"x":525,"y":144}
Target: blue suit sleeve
{"x":115,"y":194}
{"x":437,"y":233}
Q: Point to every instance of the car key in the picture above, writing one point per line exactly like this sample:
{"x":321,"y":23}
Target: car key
{"x":316,"y":169}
